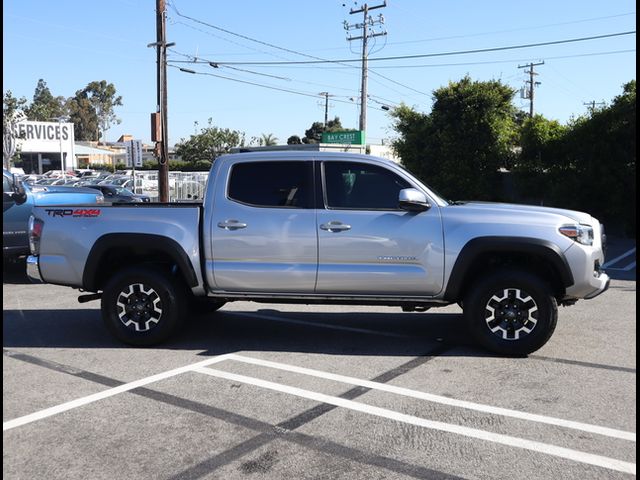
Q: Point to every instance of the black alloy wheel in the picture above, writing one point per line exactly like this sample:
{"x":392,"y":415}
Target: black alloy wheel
{"x":143,"y":305}
{"x":511,"y":312}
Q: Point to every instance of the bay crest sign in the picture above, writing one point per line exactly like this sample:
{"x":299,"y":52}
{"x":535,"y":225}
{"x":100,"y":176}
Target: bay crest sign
{"x":47,"y":137}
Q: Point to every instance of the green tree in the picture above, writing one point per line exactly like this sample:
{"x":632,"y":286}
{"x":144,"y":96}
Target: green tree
{"x":314,"y":134}
{"x":294,"y":140}
{"x":540,"y":141}
{"x":11,"y":105}
{"x":12,"y":112}
{"x":268,"y":139}
{"x":595,"y":164}
{"x":101,"y":96}
{"x":210,"y":143}
{"x":461,"y":145}
{"x":45,"y":107}
{"x":84,"y":118}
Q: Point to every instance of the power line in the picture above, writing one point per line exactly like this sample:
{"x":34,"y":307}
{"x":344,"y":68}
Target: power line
{"x":239,"y":35}
{"x":535,"y":27}
{"x":442,"y":54}
{"x":489,"y":62}
{"x":270,"y":87}
{"x":195,"y":59}
{"x":246,"y":37}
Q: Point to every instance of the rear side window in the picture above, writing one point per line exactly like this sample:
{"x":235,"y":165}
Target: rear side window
{"x":272,"y":184}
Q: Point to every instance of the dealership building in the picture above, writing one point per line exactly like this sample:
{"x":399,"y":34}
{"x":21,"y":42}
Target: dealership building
{"x":45,"y":146}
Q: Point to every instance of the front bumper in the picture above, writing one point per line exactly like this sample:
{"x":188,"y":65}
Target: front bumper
{"x":33,"y":269}
{"x":604,"y":281}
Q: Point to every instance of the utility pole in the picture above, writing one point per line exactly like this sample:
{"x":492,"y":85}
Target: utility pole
{"x":367,"y":22}
{"x":592,"y":105}
{"x":162,"y":145}
{"x":531,"y":83}
{"x":326,"y":107}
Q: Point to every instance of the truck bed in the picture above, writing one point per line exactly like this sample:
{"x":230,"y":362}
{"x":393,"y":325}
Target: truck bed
{"x":73,"y":233}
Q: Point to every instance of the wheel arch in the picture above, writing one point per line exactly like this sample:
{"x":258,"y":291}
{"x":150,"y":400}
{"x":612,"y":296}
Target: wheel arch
{"x":486,"y":253}
{"x":115,"y":250}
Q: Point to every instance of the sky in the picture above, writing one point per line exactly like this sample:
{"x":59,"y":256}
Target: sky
{"x":72,"y":42}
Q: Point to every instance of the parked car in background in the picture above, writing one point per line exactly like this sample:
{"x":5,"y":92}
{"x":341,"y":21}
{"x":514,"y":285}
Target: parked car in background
{"x":18,"y":200}
{"x":118,"y":194}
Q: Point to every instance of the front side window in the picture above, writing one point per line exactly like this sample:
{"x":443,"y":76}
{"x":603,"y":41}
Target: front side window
{"x":272,"y":184}
{"x":361,"y":186}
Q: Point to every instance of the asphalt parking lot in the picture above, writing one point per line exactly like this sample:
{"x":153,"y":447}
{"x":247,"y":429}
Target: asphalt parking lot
{"x":323,"y":392}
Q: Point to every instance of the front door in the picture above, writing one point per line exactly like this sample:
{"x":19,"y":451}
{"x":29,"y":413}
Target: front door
{"x":366,"y":244}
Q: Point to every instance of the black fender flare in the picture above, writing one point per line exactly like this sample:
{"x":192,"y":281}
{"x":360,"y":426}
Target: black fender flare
{"x":132,"y":240}
{"x":544,"y":249}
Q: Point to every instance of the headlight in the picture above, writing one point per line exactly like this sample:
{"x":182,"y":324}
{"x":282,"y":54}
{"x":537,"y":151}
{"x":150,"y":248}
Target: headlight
{"x":99,"y":198}
{"x":580,"y":233}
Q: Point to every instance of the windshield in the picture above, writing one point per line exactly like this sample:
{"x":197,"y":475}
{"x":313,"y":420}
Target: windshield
{"x":124,"y":192}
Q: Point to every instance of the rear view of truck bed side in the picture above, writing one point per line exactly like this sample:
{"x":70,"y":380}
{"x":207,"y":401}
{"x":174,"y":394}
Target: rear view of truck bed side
{"x":82,"y":247}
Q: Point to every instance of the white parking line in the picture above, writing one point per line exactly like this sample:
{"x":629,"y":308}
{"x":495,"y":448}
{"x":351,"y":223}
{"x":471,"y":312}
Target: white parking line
{"x":48,"y":412}
{"x":631,"y":266}
{"x":575,"y":455}
{"x":625,"y":254}
{"x":532,"y":417}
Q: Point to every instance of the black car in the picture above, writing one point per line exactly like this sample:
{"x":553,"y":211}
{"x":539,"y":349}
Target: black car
{"x":118,"y":194}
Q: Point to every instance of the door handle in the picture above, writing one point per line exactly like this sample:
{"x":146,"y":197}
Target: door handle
{"x":335,"y":227}
{"x":232,"y":225}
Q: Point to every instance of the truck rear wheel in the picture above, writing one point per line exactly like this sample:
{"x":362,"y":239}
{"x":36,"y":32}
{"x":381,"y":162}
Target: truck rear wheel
{"x":511,"y":312}
{"x":143,"y":306}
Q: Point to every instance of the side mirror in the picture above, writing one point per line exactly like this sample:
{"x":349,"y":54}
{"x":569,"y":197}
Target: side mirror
{"x":19,"y":193}
{"x":413,"y":200}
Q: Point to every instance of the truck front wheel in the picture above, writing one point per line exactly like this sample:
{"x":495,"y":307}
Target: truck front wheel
{"x":511,"y":312}
{"x":143,"y":306}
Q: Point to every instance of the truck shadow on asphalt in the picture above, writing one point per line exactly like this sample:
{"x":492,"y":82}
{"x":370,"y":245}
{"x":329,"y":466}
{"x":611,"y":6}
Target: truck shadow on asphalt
{"x":357,"y":333}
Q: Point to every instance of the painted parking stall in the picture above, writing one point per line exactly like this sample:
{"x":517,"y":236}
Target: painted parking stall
{"x":289,"y":392}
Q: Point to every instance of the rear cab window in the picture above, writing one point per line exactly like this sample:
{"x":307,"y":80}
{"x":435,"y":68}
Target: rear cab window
{"x":272,"y":184}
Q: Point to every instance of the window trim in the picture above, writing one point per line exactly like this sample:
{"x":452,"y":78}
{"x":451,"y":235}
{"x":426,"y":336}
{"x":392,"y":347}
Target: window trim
{"x":324,"y":188}
{"x":311,"y":199}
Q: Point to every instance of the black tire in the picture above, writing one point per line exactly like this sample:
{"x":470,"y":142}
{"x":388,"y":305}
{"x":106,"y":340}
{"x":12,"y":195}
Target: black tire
{"x":511,"y":312}
{"x":143,"y":306}
{"x":203,"y":305}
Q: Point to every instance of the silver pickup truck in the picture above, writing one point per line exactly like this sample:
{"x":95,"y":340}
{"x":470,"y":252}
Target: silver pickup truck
{"x":318,"y":227}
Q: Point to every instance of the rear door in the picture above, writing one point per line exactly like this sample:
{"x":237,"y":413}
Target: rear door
{"x":263,"y":230}
{"x":366,"y":244}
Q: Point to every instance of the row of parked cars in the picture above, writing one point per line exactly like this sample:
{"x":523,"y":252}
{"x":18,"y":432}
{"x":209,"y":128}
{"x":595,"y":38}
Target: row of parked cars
{"x":116,"y":188}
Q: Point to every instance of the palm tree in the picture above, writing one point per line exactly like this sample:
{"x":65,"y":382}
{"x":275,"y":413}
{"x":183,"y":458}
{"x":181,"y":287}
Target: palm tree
{"x":268,"y":139}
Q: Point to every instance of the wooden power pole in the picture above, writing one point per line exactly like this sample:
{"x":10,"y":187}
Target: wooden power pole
{"x":531,"y":83}
{"x":367,"y":22}
{"x":162,"y":137}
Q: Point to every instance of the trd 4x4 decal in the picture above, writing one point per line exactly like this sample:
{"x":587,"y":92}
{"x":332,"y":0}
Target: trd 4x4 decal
{"x":73,"y":212}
